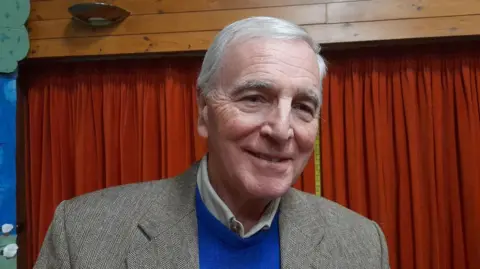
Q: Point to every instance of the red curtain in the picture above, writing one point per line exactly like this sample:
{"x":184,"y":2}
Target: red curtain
{"x":400,"y":141}
{"x":91,"y":125}
{"x":401,"y":145}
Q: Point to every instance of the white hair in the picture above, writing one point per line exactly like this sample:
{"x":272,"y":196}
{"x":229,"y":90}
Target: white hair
{"x":249,"y":28}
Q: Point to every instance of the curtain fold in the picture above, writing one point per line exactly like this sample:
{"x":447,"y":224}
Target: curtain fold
{"x":92,"y":125}
{"x":401,"y":145}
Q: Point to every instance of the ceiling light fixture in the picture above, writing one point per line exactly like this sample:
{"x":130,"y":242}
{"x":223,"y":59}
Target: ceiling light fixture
{"x":98,"y":14}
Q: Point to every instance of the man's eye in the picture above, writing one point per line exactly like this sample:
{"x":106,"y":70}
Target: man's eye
{"x":254,"y":99}
{"x":304,"y":108}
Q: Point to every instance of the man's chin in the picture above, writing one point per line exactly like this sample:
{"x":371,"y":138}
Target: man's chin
{"x":269,"y":191}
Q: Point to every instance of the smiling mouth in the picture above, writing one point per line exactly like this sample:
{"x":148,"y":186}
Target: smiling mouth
{"x":267,"y":157}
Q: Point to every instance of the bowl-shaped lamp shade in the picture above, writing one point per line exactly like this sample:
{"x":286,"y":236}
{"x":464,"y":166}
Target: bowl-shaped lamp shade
{"x":98,"y":14}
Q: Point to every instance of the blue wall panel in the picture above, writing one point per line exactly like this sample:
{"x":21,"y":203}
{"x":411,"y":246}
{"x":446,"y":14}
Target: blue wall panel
{"x":8,"y":103}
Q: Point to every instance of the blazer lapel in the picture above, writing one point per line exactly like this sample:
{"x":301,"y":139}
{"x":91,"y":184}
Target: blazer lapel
{"x":301,"y":232}
{"x":169,"y":228}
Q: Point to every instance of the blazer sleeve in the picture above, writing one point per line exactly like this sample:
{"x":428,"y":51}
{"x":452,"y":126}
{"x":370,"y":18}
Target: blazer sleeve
{"x":384,"y":261}
{"x":55,"y":250}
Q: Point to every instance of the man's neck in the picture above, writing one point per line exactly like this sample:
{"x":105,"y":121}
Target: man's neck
{"x":247,"y":210}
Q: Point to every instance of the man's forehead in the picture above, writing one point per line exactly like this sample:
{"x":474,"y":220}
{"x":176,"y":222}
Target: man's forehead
{"x":267,"y":46}
{"x":244,"y":65}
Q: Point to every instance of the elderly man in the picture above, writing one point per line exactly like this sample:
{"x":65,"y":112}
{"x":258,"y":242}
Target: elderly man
{"x":259,"y":100}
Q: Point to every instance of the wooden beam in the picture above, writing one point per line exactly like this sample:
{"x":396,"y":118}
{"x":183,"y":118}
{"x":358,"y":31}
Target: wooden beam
{"x":195,"y":41}
{"x":396,"y":29}
{"x":58,"y":9}
{"x":171,"y":23}
{"x":127,"y":44}
{"x":399,"y":9}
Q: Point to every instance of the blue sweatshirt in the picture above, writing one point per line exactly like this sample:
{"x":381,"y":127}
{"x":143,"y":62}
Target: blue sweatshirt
{"x":219,"y":247}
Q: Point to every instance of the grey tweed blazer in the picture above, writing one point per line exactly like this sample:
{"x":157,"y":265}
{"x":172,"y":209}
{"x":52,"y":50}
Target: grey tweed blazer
{"x":153,"y":225}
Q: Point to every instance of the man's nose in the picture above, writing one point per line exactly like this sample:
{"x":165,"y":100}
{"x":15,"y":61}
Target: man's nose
{"x":278,"y":125}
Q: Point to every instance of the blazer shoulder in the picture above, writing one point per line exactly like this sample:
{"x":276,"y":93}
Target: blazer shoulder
{"x":360,"y":238}
{"x":131,"y":195}
{"x":333,"y":213}
{"x":110,"y":207}
{"x":128,"y":194}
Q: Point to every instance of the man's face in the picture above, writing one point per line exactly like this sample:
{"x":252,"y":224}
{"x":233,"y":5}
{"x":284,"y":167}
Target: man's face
{"x":261,"y":119}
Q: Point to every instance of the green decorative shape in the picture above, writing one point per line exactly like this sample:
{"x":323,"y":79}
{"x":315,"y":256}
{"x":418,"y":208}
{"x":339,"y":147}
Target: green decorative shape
{"x":14,"y":43}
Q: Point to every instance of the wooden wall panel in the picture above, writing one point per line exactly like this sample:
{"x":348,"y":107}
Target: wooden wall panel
{"x":399,"y":9}
{"x":58,"y":9}
{"x":111,"y":45}
{"x":190,"y":25}
{"x":396,"y":29}
{"x":177,"y":22}
{"x":195,"y":41}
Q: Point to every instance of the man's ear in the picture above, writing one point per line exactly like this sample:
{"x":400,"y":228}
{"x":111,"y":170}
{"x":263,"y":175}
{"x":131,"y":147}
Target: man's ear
{"x":202,"y":114}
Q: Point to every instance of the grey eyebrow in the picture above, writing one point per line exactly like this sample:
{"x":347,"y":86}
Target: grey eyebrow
{"x":303,"y":93}
{"x":253,"y":84}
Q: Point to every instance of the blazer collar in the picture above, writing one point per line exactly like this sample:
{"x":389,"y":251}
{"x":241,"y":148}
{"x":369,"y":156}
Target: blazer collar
{"x":169,"y":228}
